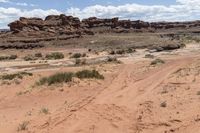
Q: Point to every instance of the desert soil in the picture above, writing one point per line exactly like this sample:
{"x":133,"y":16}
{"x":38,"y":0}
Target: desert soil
{"x":134,"y":97}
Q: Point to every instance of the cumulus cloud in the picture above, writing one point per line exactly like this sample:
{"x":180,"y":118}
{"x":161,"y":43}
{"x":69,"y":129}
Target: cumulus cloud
{"x":22,"y":4}
{"x":183,"y":10}
{"x":4,"y":1}
{"x":10,"y":14}
{"x":189,"y":2}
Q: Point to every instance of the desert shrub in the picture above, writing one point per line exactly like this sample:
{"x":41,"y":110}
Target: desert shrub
{"x":38,"y":55}
{"x":89,"y":74}
{"x":112,"y":52}
{"x":76,"y":55}
{"x":29,"y":58}
{"x":55,"y":56}
{"x":3,"y":58}
{"x":149,"y":56}
{"x":157,"y":61}
{"x":44,"y":111}
{"x":121,"y":51}
{"x":67,"y":77}
{"x":80,"y":62}
{"x":11,"y":57}
{"x":26,"y":73}
{"x":130,"y":50}
{"x":15,"y":75}
{"x":77,"y":62}
{"x":112,"y":59}
{"x":23,"y":126}
{"x":11,"y":76}
{"x":56,"y":78}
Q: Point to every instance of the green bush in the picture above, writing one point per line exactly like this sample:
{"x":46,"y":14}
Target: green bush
{"x":11,"y":57}
{"x":122,"y":51}
{"x":89,"y":74}
{"x":14,"y":76}
{"x":112,"y":52}
{"x":157,"y":61}
{"x":38,"y":55}
{"x":112,"y":59}
{"x":149,"y":56}
{"x":23,"y":126}
{"x":130,"y":50}
{"x":29,"y":58}
{"x":78,"y":55}
{"x":56,"y":78}
{"x":44,"y":111}
{"x":55,"y":56}
{"x":80,"y":62}
{"x":67,"y":77}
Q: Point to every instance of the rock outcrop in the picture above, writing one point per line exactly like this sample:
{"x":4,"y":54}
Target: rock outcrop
{"x":52,"y":25}
{"x":57,"y":25}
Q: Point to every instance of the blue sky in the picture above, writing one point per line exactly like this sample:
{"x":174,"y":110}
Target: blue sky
{"x":62,"y":5}
{"x":148,"y":10}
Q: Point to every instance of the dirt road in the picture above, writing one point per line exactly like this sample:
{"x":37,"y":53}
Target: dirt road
{"x":135,"y":97}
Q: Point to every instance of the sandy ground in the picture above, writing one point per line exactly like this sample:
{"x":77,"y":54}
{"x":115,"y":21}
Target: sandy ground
{"x":134,"y":97}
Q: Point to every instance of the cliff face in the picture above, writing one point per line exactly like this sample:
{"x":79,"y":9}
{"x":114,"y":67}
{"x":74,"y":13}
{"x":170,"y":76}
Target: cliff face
{"x":52,"y":25}
{"x":68,"y":25}
{"x":127,"y":24}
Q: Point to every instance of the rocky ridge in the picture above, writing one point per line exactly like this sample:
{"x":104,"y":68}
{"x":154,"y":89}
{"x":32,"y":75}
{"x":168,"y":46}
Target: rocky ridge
{"x":68,"y":25}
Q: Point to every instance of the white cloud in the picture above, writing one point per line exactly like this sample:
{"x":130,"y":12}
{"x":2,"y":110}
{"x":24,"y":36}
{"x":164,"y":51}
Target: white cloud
{"x":4,"y":1}
{"x":183,"y":10}
{"x":189,"y":2}
{"x":22,"y":4}
{"x":8,"y":15}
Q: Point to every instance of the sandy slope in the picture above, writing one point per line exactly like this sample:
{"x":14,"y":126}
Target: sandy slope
{"x":134,"y":98}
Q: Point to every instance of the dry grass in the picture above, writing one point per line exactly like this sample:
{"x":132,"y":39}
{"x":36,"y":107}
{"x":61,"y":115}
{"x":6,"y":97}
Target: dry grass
{"x":66,"y":77}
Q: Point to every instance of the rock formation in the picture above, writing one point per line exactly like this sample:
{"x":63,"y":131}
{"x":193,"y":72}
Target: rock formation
{"x":68,"y":25}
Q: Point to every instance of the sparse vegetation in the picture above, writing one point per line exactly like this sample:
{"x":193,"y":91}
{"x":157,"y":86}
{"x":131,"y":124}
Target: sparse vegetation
{"x":56,"y":78}
{"x":157,"y":61}
{"x":38,"y":55}
{"x":33,"y":57}
{"x":78,"y":55}
{"x":15,"y":76}
{"x":55,"y":56}
{"x":89,"y":74}
{"x":122,"y":51}
{"x":113,"y":59}
{"x":23,"y":126}
{"x":11,"y":57}
{"x":130,"y":50}
{"x":80,"y":62}
{"x":66,"y":77}
{"x":29,"y":58}
{"x":44,"y":111}
{"x":189,"y":38}
{"x":149,"y":56}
